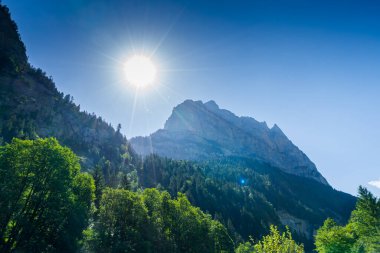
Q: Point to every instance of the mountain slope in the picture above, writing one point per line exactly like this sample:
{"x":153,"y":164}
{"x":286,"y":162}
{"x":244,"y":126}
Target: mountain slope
{"x":248,"y":196}
{"x":32,"y":107}
{"x":203,"y":131}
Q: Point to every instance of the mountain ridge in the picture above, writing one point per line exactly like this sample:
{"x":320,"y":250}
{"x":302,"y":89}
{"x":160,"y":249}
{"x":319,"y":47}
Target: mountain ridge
{"x":201,"y":131}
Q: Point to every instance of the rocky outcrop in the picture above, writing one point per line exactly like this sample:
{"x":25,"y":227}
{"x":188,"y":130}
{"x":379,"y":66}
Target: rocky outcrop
{"x":201,"y":131}
{"x":300,"y":226}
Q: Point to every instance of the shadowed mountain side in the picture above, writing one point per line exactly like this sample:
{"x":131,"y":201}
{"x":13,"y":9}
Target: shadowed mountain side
{"x":248,"y":196}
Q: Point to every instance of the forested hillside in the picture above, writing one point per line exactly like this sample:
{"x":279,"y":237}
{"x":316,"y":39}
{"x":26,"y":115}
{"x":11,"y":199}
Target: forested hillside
{"x":249,"y":196}
{"x":32,"y":107}
{"x":48,"y":205}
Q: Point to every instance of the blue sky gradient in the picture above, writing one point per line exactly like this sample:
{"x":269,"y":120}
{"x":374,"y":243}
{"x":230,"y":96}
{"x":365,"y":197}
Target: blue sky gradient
{"x":312,"y":67}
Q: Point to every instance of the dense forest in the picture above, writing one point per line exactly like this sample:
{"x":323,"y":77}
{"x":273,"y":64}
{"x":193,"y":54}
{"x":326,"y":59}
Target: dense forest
{"x":246,"y":195}
{"x":86,"y":190}
{"x":48,"y":205}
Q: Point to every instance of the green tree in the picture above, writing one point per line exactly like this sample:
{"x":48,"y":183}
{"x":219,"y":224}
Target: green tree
{"x":45,"y":201}
{"x":332,"y":238}
{"x":122,"y":223}
{"x":361,"y":234}
{"x":275,"y":242}
{"x":151,"y":221}
{"x":365,"y":221}
{"x":97,"y":174}
{"x":246,"y":247}
{"x":125,"y":182}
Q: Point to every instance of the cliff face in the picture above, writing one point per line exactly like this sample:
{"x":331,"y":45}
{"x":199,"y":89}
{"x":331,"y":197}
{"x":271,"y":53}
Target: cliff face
{"x":202,"y":131}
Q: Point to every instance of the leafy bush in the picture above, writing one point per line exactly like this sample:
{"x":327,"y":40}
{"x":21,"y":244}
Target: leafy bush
{"x":275,"y":242}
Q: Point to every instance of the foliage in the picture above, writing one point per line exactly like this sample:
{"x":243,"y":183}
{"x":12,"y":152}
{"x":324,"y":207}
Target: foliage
{"x":332,"y":238}
{"x":45,"y":202}
{"x":275,"y":242}
{"x":151,"y":221}
{"x":122,"y":224}
{"x":246,"y":247}
{"x":361,"y":234}
{"x":97,"y":174}
{"x":12,"y":51}
{"x":247,"y":208}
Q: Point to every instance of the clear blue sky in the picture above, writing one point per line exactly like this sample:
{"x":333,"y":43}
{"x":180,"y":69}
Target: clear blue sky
{"x":312,"y":67}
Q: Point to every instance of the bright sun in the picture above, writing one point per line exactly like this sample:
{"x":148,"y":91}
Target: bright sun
{"x":140,"y":71}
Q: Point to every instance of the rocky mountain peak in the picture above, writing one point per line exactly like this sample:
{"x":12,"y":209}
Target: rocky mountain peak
{"x":202,"y":131}
{"x":276,"y":129}
{"x":211,"y":105}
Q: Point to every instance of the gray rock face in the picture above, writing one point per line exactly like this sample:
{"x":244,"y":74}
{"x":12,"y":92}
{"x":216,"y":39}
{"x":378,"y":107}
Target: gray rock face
{"x":201,"y":131}
{"x":301,"y":226}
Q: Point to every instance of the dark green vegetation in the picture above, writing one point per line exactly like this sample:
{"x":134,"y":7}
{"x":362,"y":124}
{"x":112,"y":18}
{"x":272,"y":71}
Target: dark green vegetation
{"x":151,"y":221}
{"x":361,"y":234}
{"x":46,"y":204}
{"x":45,"y":201}
{"x":268,"y":195}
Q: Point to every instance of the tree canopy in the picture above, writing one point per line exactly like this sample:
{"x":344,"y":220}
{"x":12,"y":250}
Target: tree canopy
{"x":361,"y":234}
{"x":45,"y":201}
{"x":151,"y":221}
{"x":274,"y":242}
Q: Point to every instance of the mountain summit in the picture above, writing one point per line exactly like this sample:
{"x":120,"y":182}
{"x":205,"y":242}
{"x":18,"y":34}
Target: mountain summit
{"x":202,"y":131}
